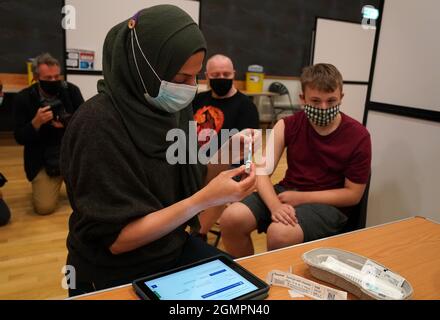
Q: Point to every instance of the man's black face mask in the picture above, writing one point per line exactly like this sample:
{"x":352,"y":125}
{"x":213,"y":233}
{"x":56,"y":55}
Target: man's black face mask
{"x":50,"y":87}
{"x":221,"y":87}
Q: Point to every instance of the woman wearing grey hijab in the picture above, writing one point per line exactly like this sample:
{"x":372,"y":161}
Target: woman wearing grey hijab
{"x":131,"y":207}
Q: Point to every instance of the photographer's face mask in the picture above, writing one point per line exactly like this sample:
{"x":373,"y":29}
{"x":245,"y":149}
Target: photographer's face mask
{"x":51,"y":88}
{"x":172,"y":97}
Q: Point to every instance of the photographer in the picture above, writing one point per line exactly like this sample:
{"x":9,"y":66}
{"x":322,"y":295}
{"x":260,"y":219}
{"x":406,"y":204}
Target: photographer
{"x":42,"y":112}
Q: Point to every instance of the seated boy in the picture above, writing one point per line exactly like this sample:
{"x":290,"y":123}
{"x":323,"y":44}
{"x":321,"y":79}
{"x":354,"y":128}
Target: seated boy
{"x":328,"y":158}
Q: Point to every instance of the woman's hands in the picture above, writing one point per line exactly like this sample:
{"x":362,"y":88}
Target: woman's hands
{"x":236,"y":148}
{"x":224,"y":189}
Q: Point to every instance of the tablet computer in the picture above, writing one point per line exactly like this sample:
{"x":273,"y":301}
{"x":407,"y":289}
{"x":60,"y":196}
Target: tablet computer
{"x":215,"y":278}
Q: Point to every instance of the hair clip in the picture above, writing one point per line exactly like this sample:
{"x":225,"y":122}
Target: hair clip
{"x":132,"y":22}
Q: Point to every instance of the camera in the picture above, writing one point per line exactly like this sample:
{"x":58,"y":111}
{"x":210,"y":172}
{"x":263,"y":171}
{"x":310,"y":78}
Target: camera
{"x":59,"y":112}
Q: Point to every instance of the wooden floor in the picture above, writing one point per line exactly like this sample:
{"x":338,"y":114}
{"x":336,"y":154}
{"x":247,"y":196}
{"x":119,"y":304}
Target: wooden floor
{"x":33,"y":248}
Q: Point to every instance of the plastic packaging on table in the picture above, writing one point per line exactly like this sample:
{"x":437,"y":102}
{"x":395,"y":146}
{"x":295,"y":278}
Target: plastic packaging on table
{"x":363,"y":277}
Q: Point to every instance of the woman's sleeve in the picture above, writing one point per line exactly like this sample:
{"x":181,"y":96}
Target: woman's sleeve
{"x":106,"y":186}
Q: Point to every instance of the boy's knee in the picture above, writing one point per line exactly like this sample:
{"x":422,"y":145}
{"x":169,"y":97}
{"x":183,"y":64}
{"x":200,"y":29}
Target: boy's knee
{"x":233,"y":218}
{"x":228,"y":217}
{"x":281,"y":236}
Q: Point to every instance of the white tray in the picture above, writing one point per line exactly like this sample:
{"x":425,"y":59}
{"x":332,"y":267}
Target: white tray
{"x":316,"y":257}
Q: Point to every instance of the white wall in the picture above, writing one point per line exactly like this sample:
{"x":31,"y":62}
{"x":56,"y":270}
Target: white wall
{"x":406,"y":151}
{"x":349,"y":47}
{"x":353,"y":103}
{"x":86,"y":83}
{"x":95,"y":18}
{"x":405,"y":174}
{"x":407,"y":65}
{"x":346,"y":45}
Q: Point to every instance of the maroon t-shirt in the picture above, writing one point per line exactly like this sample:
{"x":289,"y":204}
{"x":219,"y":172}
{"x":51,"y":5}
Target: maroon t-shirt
{"x":318,"y":162}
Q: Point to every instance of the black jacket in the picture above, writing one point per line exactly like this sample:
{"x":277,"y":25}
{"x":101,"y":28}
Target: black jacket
{"x":110,"y":183}
{"x":26,"y":104}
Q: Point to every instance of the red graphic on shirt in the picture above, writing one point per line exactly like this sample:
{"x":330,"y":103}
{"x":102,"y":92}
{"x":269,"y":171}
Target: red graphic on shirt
{"x":209,"y":117}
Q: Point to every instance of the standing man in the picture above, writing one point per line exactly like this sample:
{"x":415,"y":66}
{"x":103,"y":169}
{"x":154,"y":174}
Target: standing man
{"x":42,"y":112}
{"x":222,"y":107}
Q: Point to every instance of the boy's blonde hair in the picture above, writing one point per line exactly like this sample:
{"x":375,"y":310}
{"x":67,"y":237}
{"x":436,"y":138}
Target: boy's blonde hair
{"x":323,"y":77}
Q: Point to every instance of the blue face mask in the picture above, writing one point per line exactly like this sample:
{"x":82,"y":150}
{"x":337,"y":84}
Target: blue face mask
{"x":172,"y":97}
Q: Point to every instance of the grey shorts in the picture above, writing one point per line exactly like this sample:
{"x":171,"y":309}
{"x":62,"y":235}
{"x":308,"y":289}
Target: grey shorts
{"x":316,"y":220}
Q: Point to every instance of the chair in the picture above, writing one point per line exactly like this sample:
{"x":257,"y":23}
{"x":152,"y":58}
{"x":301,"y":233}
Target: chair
{"x":217,"y":232}
{"x":281,"y":90}
{"x":358,"y":217}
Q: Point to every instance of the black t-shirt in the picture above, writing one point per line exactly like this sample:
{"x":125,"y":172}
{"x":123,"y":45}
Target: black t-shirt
{"x":237,"y":112}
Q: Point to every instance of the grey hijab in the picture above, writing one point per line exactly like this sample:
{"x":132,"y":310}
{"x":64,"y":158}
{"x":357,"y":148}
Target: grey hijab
{"x":168,"y":36}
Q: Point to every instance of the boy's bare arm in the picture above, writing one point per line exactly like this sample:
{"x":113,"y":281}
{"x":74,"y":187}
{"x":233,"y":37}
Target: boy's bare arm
{"x":267,"y":192}
{"x":280,"y":212}
{"x":264,"y":184}
{"x":348,"y":196}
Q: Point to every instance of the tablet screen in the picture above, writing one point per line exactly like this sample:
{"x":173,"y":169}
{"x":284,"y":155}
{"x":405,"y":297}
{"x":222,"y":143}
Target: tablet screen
{"x":213,"y":280}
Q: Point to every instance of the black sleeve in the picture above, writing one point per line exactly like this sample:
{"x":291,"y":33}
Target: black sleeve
{"x":249,"y":117}
{"x":198,"y":101}
{"x":24,"y":132}
{"x":76,"y":96}
{"x":103,"y":179}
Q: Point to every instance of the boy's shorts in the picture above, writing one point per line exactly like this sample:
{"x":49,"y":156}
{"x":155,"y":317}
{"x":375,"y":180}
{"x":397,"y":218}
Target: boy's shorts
{"x":316,"y":220}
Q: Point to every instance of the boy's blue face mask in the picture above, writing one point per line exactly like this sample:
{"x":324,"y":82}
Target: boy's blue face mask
{"x":321,"y":117}
{"x":172,"y":97}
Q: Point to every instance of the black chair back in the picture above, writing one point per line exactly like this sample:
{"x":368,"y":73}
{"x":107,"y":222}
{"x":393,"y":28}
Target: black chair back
{"x":278,"y":87}
{"x":358,"y":217}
